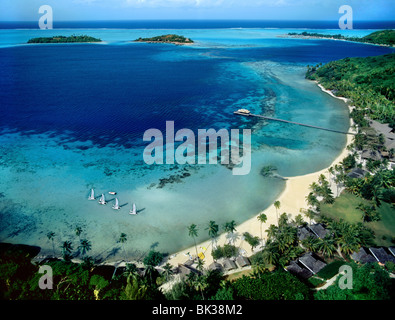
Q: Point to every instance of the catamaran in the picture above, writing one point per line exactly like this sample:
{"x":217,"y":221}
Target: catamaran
{"x":133,"y":210}
{"x":92,"y":195}
{"x":102,"y":200}
{"x":116,"y":205}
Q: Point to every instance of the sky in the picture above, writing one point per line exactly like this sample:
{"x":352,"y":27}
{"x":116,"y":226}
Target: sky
{"x":64,"y":10}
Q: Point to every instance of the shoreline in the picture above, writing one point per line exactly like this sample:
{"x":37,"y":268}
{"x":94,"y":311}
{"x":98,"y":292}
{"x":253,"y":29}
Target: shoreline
{"x":165,"y":42}
{"x":292,"y":199}
{"x":327,"y":38}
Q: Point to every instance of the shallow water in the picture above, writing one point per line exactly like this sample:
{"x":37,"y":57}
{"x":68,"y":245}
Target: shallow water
{"x":75,"y":115}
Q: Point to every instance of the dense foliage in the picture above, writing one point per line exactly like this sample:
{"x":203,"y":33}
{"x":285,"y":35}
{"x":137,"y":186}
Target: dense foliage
{"x":369,"y":282}
{"x":368,"y":82}
{"x":169,"y":38}
{"x":63,"y":39}
{"x":278,"y":285}
{"x":382,"y":37}
{"x":227,"y":251}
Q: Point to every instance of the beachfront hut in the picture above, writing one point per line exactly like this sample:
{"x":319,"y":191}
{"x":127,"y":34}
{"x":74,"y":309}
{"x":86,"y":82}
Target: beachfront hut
{"x":381,"y":255}
{"x":363,"y":256}
{"x":189,"y":262}
{"x":298,"y":270}
{"x":215,"y":266}
{"x":319,"y":230}
{"x":311,"y":262}
{"x":242,"y":261}
{"x":383,"y":128}
{"x":357,"y":173}
{"x":229,"y":265}
{"x":304,"y":233}
{"x":371,"y":154}
{"x":184,"y":270}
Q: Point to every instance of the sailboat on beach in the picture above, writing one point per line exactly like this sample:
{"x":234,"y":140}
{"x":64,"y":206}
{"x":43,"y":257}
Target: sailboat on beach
{"x":92,"y":195}
{"x":102,"y":200}
{"x":116,"y":205}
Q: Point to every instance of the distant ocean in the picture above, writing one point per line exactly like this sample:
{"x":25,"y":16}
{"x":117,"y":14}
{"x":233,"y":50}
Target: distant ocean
{"x":73,"y":118}
{"x":198,"y":24}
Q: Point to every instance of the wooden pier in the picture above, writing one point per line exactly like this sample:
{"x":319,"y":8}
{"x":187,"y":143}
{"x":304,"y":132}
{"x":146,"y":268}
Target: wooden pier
{"x":290,"y":122}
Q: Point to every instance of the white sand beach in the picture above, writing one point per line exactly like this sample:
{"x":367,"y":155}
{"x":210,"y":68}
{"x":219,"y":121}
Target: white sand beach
{"x":292,"y":199}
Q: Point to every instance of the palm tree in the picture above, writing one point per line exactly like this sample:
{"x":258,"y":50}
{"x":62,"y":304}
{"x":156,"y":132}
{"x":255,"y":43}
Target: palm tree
{"x":134,"y":290}
{"x":272,"y":231}
{"x":199,"y":283}
{"x":88,"y":263}
{"x":130,"y":269}
{"x":271,"y":254}
{"x":327,"y":194}
{"x":122,"y":239}
{"x":314,"y":187}
{"x":262,"y":219}
{"x":312,"y":200}
{"x":311,"y":243}
{"x":66,"y":249}
{"x":326,"y":246}
{"x":167,"y":270}
{"x":299,"y":220}
{"x":150,"y":273}
{"x":230,"y":227}
{"x":51,"y":236}
{"x":200,"y":264}
{"x":331,"y":171}
{"x":283,"y":220}
{"x":322,"y":180}
{"x":289,"y":234}
{"x":212,"y":230}
{"x":310,"y":214}
{"x":348,"y":244}
{"x":277,"y":205}
{"x":193,"y":232}
{"x":85,"y":246}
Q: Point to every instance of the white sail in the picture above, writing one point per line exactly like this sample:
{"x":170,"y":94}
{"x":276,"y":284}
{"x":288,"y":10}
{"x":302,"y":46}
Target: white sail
{"x":92,"y":195}
{"x":102,"y":199}
{"x":133,"y":210}
{"x":116,"y":205}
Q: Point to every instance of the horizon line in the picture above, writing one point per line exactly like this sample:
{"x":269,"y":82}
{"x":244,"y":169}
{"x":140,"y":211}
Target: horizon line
{"x":208,"y":19}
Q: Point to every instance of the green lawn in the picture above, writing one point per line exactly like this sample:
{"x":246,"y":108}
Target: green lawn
{"x":345,"y":208}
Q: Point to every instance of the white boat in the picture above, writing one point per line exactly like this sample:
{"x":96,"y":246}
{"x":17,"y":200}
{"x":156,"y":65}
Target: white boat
{"x":116,"y":205}
{"x":92,"y":195}
{"x":102,"y":200}
{"x":133,"y":210}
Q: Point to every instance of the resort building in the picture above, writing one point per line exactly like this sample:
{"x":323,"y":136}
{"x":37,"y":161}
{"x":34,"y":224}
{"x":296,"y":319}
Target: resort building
{"x":311,"y":262}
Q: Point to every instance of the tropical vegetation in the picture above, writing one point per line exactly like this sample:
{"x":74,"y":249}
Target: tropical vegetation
{"x":381,"y":37}
{"x":368,"y":83}
{"x":168,"y":38}
{"x":64,"y":39}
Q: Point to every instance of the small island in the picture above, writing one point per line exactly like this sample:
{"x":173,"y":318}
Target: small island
{"x":382,"y":37}
{"x":168,"y":38}
{"x":64,"y":39}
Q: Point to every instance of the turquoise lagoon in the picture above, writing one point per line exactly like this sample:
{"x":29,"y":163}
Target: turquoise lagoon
{"x":73,"y":118}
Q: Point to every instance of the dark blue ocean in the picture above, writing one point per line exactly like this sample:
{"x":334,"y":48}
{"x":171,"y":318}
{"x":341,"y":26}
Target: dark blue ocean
{"x":199,"y":24}
{"x":73,"y":117}
{"x":103,"y":92}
